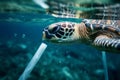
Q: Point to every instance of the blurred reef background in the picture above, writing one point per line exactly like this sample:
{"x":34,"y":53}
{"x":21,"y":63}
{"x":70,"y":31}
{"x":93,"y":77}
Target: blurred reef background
{"x":21,"y":25}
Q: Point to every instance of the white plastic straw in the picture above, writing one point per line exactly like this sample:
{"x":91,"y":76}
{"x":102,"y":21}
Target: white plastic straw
{"x":105,"y":65}
{"x":33,"y":62}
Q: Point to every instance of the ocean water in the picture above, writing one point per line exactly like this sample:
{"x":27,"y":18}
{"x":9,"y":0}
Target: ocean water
{"x":20,"y":37}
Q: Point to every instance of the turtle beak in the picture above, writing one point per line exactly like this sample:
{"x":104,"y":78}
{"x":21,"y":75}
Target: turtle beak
{"x":43,"y":36}
{"x":46,"y":35}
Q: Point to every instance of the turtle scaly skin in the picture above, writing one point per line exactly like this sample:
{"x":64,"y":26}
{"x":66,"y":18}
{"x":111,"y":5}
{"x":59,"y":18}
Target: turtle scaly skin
{"x":103,"y":34}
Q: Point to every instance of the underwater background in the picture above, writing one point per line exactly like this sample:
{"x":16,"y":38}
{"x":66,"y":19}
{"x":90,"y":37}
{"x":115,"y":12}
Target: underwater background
{"x":21,"y":25}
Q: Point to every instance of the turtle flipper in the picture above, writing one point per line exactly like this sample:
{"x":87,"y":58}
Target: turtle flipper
{"x":104,"y":41}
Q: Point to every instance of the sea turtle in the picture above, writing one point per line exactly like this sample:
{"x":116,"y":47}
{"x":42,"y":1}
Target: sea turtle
{"x":92,"y":32}
{"x":103,"y":34}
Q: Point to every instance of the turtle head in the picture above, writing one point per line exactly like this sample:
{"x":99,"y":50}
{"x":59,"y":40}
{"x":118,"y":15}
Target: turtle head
{"x":60,"y":32}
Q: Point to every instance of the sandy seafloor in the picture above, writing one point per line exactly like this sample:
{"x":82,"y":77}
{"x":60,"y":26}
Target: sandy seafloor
{"x":21,"y":36}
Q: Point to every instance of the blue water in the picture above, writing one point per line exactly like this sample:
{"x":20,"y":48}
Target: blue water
{"x":20,"y":36}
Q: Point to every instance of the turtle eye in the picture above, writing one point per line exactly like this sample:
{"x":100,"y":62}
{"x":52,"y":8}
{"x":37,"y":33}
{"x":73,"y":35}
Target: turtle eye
{"x":55,"y":29}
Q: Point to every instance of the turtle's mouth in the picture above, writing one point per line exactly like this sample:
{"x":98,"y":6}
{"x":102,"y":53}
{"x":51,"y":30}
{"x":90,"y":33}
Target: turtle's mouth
{"x":47,"y":35}
{"x":50,"y":38}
